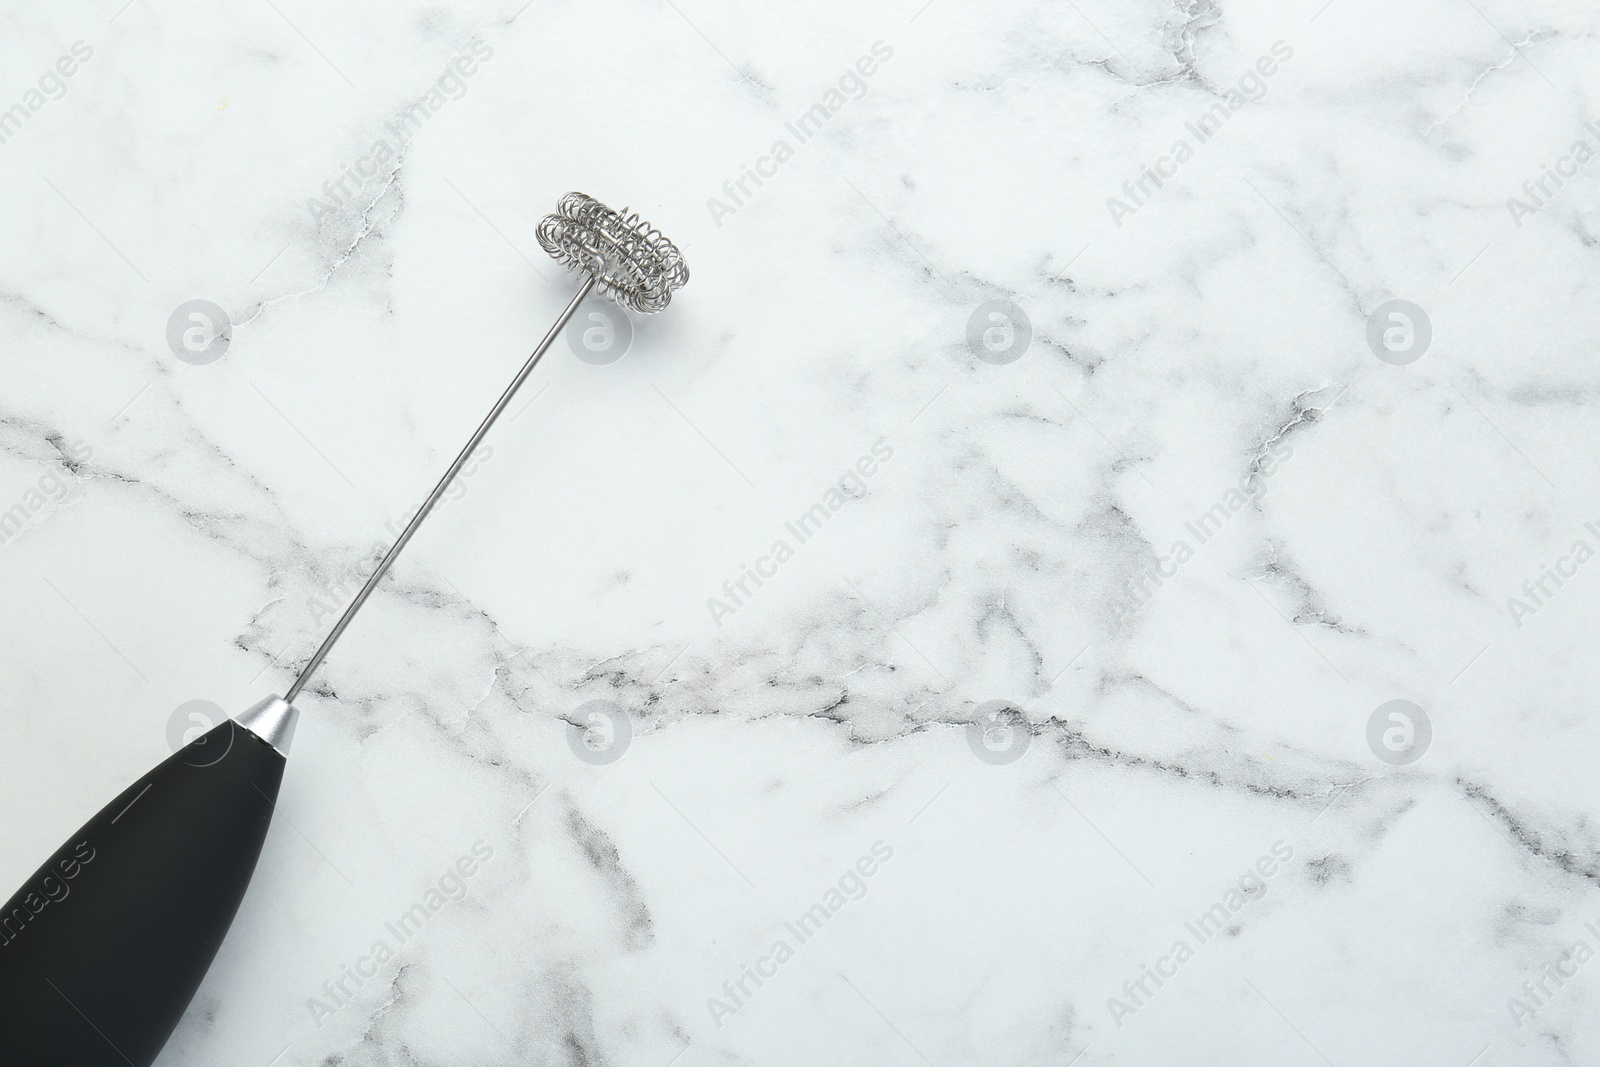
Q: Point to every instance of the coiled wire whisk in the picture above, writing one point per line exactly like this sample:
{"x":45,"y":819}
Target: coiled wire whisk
{"x":631,"y":261}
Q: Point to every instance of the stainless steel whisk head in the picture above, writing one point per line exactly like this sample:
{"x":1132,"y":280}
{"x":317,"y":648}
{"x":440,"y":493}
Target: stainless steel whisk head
{"x":630,"y":260}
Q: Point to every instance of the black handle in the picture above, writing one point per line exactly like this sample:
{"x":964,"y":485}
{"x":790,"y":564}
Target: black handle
{"x":103,"y":948}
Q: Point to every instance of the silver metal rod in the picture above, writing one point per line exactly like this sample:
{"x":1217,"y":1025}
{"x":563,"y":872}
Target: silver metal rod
{"x":438,"y":492}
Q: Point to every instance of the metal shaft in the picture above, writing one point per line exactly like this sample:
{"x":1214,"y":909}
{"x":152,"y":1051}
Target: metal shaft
{"x":438,"y":492}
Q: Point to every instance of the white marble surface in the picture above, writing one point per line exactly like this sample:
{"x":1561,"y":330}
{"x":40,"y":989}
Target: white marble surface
{"x":183,"y":521}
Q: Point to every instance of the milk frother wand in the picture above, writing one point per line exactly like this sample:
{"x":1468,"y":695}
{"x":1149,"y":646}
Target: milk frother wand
{"x":103,"y":948}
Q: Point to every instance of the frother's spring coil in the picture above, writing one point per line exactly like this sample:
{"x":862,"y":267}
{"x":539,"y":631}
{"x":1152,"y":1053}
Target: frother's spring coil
{"x":632,"y":262}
